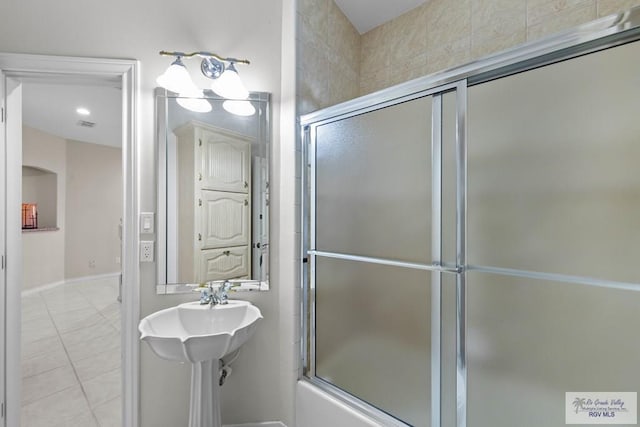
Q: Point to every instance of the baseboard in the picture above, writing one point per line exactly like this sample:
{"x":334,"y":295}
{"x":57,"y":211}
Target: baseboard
{"x":52,"y":285}
{"x":265,"y":424}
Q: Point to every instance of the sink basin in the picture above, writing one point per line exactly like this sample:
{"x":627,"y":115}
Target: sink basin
{"x":195,"y":333}
{"x":201,"y":335}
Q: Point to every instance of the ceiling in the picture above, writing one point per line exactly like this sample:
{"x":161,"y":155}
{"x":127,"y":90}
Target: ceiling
{"x":368,"y":14}
{"x":50,"y":101}
{"x":49,"y":104}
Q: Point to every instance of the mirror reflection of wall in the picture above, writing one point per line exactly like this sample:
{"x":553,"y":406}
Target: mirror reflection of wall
{"x":216,"y":193}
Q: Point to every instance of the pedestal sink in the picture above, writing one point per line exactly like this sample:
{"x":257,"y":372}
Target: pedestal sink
{"x":201,"y":335}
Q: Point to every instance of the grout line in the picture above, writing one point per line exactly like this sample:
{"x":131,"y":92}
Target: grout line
{"x":47,"y":396}
{"x":103,"y":404}
{"x":73,"y":368}
{"x":42,"y":372}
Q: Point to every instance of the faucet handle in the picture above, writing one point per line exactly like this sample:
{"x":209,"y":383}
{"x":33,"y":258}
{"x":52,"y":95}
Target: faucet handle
{"x":225,"y":286}
{"x":206,"y":295}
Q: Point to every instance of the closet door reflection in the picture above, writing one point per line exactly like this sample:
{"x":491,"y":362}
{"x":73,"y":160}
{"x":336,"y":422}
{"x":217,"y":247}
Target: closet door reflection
{"x":554,"y":222}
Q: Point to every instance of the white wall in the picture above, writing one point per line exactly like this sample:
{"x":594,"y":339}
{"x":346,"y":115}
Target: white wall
{"x":88,"y":204}
{"x":43,"y":251}
{"x":93,"y":209}
{"x":241,"y":28}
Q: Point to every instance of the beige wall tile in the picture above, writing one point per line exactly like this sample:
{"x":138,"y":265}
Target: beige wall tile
{"x":343,"y":88}
{"x":329,"y":56}
{"x":562,"y":20}
{"x":373,"y":80}
{"x":314,"y":89}
{"x":609,"y":7}
{"x":343,"y":38}
{"x":443,"y":61}
{"x":374,"y":47}
{"x":453,"y":48}
{"x":497,"y":44}
{"x":439,"y":35}
{"x":316,"y":12}
{"x":483,"y":12}
{"x":447,"y":21}
{"x":409,"y":69}
{"x":539,"y":11}
{"x":507,"y":27}
{"x":407,"y":35}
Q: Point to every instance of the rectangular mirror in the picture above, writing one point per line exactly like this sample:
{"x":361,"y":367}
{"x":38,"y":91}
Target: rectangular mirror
{"x":213,"y":213}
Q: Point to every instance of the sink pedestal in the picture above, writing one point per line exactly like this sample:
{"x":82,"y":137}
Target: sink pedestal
{"x":201,"y":335}
{"x":204,"y":408}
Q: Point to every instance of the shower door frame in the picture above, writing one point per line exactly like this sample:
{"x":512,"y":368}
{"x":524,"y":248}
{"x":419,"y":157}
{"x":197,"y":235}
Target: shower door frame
{"x":595,"y":36}
{"x":437,"y":266}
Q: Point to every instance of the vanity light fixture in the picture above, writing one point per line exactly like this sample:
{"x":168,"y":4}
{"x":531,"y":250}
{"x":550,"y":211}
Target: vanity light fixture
{"x":194,"y":101}
{"x":226,"y":82}
{"x":229,"y":85}
{"x":176,"y":78}
{"x":83,"y":111}
{"x":239,"y":107}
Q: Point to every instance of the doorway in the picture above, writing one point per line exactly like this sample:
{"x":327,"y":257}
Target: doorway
{"x":16,"y":72}
{"x":72,"y":212}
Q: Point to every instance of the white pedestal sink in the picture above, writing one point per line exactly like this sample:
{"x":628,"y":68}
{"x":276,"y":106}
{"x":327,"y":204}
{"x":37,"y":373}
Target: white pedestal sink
{"x":201,"y":335}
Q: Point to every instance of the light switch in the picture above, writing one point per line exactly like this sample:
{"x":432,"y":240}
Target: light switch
{"x":146,"y":222}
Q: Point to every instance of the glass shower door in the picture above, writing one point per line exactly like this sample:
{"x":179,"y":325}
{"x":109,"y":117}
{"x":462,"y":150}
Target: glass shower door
{"x":553,"y":237}
{"x":383,"y":256}
{"x":372,"y":232}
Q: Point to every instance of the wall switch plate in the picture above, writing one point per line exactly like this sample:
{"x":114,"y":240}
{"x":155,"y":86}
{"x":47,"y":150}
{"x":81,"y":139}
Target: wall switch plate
{"x":146,"y":251}
{"x":146,"y":222}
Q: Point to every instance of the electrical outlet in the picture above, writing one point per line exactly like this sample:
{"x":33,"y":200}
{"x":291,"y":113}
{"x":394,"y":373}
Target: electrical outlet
{"x":146,"y":251}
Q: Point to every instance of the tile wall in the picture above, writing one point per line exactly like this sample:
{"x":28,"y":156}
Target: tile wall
{"x":442,"y":33}
{"x":336,"y":63}
{"x":328,"y":64}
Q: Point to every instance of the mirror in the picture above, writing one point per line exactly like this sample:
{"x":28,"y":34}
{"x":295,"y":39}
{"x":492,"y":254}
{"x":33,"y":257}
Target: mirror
{"x":213,"y":198}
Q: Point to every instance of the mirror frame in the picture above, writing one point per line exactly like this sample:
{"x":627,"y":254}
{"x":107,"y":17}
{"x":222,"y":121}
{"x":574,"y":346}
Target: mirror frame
{"x":160,"y":122}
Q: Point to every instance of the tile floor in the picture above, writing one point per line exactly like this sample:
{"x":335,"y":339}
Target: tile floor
{"x":71,"y":356}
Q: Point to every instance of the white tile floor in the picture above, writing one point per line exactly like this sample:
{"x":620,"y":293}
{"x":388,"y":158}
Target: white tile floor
{"x":71,"y":356}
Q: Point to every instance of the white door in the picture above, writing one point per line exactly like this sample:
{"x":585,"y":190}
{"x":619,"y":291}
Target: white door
{"x":11,"y":266}
{"x":226,"y":163}
{"x":226,"y":219}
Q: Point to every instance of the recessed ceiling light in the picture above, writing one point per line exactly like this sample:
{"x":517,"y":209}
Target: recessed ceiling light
{"x":83,"y":111}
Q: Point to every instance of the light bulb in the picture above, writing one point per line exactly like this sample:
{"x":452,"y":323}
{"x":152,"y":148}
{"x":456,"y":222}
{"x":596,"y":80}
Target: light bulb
{"x":239,"y":108}
{"x":229,"y":85}
{"x":194,"y":101}
{"x":176,"y":78}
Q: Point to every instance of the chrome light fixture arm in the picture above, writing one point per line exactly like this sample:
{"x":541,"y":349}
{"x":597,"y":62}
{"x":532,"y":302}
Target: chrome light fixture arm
{"x":203,"y":54}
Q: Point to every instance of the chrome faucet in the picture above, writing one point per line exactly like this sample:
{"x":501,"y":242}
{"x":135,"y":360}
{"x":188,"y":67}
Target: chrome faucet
{"x":215,"y":296}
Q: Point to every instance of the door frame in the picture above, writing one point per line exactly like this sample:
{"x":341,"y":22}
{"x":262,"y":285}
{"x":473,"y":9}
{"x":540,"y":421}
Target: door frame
{"x":127,"y":71}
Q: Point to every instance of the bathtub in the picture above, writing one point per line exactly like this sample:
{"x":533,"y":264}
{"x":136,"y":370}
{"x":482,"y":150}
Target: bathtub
{"x":315,"y":408}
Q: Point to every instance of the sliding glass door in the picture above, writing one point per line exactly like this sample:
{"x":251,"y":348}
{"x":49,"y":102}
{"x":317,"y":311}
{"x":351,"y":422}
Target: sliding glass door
{"x":376,"y":249}
{"x":473,"y":245}
{"x":553,"y":238}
